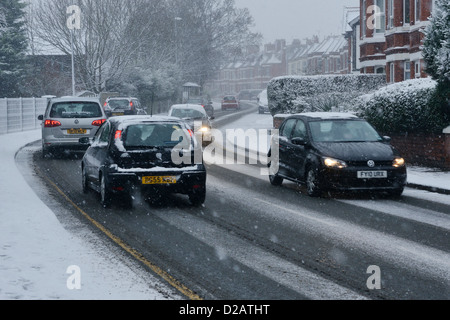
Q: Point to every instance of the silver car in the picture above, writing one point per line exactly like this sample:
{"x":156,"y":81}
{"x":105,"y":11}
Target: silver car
{"x":68,"y":119}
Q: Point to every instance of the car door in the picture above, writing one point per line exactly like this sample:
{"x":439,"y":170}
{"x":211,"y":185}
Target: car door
{"x":298,"y":150}
{"x":98,"y":151}
{"x":285,"y":147}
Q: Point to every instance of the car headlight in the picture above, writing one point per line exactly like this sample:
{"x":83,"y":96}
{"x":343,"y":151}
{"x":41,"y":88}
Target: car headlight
{"x":334,"y":163}
{"x":398,"y":162}
{"x":204,"y":129}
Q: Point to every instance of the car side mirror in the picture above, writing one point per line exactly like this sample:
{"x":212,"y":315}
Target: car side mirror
{"x":84,"y":141}
{"x":386,"y":139}
{"x":41,"y":117}
{"x":212,"y":118}
{"x":298,"y":141}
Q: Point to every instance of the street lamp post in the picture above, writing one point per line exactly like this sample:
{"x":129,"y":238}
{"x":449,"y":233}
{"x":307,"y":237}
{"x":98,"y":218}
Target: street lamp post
{"x":176,"y":39}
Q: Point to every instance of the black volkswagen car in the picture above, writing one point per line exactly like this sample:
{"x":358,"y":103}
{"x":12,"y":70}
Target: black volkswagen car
{"x":340,"y":151}
{"x":151,"y":155}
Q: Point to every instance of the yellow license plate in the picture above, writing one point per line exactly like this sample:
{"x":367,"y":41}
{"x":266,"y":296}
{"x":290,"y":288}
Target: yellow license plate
{"x":159,"y":180}
{"x":118,"y":114}
{"x":76,"y":131}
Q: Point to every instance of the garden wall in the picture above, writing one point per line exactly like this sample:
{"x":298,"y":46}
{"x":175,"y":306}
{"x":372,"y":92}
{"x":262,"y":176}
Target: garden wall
{"x":432,"y":150}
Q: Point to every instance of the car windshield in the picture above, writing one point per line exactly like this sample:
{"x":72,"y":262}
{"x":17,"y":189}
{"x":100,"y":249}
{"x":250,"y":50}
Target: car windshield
{"x":187,"y":113}
{"x":230,"y":98}
{"x":75,"y":110}
{"x":119,"y":104}
{"x":155,"y":135}
{"x":343,"y":131}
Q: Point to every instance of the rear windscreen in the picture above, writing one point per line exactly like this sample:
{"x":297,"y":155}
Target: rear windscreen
{"x":155,"y":135}
{"x":75,"y":110}
{"x":119,"y":104}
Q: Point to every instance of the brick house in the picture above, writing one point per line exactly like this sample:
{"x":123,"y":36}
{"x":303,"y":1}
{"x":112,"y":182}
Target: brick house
{"x":391,"y":36}
{"x":251,"y":72}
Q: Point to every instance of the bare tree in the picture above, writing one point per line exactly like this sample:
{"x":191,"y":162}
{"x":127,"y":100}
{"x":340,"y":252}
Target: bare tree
{"x":106,"y":43}
{"x":211,"y":31}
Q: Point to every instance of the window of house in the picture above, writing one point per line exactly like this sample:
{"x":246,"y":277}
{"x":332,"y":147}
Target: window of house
{"x":417,"y":69}
{"x":417,"y":9}
{"x":364,"y":14}
{"x":380,"y":21}
{"x":391,"y":72}
{"x":379,"y":70}
{"x":390,"y":13}
{"x":406,"y":12}
{"x":407,"y":70}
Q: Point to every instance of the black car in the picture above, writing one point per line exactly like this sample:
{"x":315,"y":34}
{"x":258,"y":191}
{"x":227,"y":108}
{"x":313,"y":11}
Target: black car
{"x":151,"y":155}
{"x":335,"y":151}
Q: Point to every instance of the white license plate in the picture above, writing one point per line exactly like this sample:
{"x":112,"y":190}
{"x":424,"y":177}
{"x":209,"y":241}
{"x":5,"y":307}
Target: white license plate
{"x":372,"y":174}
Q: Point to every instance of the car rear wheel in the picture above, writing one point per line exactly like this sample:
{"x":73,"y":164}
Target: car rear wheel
{"x":198,"y":197}
{"x":312,"y":182}
{"x":105,"y":194}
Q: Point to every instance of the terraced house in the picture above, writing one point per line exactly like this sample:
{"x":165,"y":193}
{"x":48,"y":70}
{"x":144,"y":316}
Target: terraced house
{"x":391,"y":37}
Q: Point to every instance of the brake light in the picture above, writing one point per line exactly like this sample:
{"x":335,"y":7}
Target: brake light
{"x":190,"y":132}
{"x":51,"y":123}
{"x":118,"y":134}
{"x":98,"y":123}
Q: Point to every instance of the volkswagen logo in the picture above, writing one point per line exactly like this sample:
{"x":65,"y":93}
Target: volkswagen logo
{"x":77,"y":121}
{"x":371,"y":163}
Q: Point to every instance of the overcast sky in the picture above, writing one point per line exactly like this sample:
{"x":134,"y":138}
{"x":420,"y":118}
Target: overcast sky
{"x":290,"y":19}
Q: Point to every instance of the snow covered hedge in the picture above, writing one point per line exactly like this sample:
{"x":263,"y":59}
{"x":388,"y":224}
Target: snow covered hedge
{"x":410,"y":106}
{"x":295,"y":94}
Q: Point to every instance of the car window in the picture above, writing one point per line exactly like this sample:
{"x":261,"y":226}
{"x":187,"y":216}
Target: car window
{"x":119,"y":104}
{"x":154,"y":135}
{"x":299,"y":130}
{"x":343,"y":131}
{"x":75,"y":110}
{"x":105,"y":133}
{"x":287,"y":128}
{"x":187,"y":113}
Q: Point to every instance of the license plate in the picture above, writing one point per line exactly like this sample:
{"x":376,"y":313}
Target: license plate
{"x":159,"y":180}
{"x":118,"y":114}
{"x":372,"y":174}
{"x":76,"y":131}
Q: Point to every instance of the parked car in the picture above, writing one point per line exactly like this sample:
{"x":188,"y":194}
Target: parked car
{"x":230,"y":102}
{"x":66,"y":120}
{"x":205,"y":103}
{"x":196,"y":118}
{"x":263,"y":102}
{"x":120,"y":106}
{"x":335,"y":151}
{"x":151,"y":155}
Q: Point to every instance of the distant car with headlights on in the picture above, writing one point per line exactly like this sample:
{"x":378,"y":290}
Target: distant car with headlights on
{"x":196,"y":118}
{"x":68,"y":119}
{"x":150,"y":155}
{"x":335,"y":151}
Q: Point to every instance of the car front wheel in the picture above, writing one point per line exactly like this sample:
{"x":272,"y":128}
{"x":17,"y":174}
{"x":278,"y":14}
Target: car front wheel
{"x":312,"y":182}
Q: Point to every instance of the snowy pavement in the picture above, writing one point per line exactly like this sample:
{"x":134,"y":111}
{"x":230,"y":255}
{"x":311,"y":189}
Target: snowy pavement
{"x":39,"y":258}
